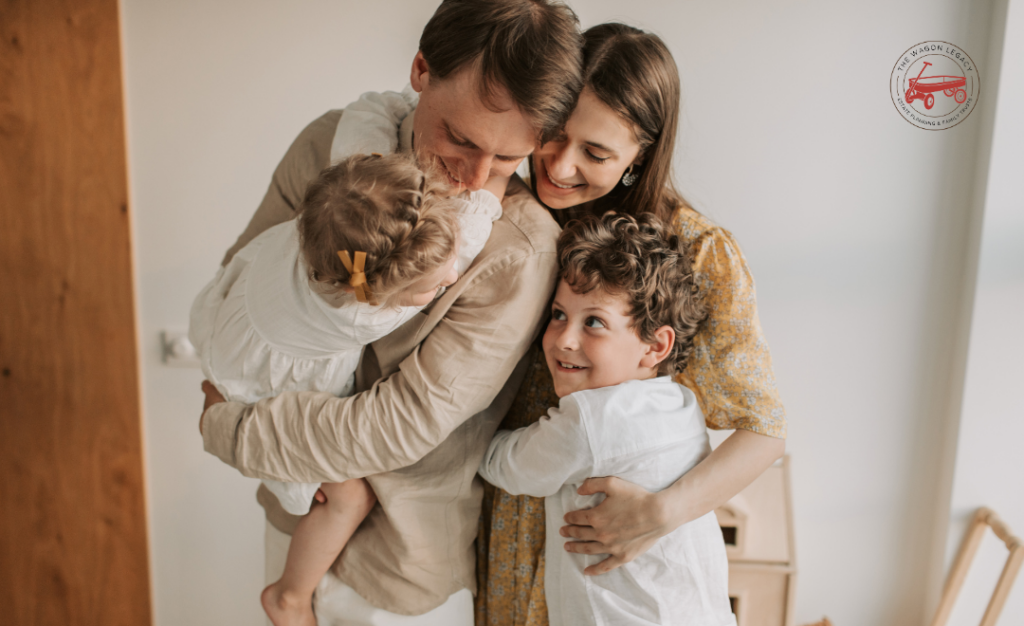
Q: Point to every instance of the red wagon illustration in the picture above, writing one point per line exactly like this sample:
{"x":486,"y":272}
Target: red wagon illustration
{"x":924,"y":88}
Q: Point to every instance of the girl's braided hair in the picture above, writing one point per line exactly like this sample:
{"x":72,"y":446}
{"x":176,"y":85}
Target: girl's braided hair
{"x":636,"y":257}
{"x":401,"y":216}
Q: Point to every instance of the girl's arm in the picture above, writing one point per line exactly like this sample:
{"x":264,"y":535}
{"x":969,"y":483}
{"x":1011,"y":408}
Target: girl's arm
{"x":631,"y":519}
{"x":497,"y":185}
{"x":371,"y":123}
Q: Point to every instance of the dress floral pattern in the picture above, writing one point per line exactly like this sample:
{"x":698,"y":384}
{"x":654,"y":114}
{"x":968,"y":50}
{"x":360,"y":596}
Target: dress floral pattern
{"x":730,"y":371}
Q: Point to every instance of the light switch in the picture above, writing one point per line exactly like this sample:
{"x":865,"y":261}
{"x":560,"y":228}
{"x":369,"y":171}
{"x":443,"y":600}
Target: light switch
{"x":177,"y":350}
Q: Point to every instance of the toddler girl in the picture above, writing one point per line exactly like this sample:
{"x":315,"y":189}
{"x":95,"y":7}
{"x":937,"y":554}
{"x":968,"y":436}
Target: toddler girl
{"x":376,"y":238}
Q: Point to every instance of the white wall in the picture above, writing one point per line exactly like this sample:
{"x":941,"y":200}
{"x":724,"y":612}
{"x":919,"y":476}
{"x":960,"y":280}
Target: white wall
{"x":853,"y":221}
{"x":215,"y":93}
{"x":989,"y":469}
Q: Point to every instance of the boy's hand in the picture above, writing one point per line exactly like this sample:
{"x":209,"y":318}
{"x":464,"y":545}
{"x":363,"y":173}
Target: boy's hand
{"x":212,"y":397}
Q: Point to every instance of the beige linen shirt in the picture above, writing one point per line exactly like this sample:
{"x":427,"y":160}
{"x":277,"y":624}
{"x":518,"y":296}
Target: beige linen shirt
{"x":430,"y":397}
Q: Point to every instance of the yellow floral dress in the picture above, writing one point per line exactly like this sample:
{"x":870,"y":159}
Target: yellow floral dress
{"x":730,"y":371}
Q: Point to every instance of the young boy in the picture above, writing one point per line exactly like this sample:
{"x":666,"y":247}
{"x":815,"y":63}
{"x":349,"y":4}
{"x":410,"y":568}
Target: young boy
{"x":622,"y":322}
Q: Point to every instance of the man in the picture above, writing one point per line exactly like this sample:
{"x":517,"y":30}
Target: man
{"x":494,"y":77}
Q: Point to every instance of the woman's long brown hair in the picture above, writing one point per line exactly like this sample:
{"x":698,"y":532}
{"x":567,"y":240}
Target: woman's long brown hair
{"x":633,"y":72}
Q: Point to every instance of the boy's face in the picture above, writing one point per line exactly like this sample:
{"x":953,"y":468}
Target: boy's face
{"x":589,"y":343}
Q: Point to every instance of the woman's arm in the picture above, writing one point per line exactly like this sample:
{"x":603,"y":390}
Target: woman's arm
{"x":631,"y":519}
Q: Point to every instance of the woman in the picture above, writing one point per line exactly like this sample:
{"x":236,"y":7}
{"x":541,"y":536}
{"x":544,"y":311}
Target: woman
{"x":615,"y":153}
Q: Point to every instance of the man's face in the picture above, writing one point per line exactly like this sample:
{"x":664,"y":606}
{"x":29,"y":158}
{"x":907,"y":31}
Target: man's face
{"x":466,"y":139}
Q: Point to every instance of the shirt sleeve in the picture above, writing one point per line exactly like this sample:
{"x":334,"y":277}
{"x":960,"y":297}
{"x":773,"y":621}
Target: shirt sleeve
{"x":539,"y":459}
{"x":455,"y":373}
{"x":730,"y":370}
{"x":370,"y":124}
{"x":476,"y":214}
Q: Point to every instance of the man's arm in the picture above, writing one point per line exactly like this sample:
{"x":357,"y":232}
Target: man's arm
{"x":308,"y":154}
{"x":453,"y":374}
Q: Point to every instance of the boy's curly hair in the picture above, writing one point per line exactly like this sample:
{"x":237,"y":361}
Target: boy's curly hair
{"x":638,"y":258}
{"x":386,"y":206}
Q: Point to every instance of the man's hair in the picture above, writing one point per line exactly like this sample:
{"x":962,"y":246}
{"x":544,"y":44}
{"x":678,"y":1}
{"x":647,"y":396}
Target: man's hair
{"x":531,"y":48}
{"x":637,"y":258}
{"x":385,"y":206}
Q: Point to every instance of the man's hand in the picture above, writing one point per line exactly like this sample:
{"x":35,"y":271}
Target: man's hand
{"x":625,"y":525}
{"x":212,"y":397}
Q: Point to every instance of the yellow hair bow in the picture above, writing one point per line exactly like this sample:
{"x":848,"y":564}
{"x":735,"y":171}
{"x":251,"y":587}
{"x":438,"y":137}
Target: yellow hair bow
{"x":357,"y":277}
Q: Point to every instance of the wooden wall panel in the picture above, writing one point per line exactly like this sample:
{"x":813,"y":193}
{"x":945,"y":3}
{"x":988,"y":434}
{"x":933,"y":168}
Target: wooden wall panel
{"x":73,"y":545}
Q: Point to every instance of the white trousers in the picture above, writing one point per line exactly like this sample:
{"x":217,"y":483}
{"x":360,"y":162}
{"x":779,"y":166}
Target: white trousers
{"x":337,"y":604}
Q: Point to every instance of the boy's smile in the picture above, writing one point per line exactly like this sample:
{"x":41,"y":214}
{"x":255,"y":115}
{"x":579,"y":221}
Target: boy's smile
{"x":589,"y":342}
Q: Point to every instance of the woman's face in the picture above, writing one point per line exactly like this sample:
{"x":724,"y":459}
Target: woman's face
{"x":588,"y":160}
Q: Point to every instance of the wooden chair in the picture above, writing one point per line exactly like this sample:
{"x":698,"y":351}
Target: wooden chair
{"x":982,"y":518}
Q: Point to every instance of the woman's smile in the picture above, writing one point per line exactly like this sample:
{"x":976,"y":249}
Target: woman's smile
{"x":557,"y":186}
{"x":587,"y":161}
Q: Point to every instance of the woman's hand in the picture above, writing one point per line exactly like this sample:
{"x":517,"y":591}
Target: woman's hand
{"x":630,"y":519}
{"x":625,"y":525}
{"x":212,"y":397}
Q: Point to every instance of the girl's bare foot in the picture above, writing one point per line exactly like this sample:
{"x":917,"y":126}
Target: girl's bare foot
{"x":284,"y":609}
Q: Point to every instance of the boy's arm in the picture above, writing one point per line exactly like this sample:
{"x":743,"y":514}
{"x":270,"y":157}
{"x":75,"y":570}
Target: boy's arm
{"x":539,"y":459}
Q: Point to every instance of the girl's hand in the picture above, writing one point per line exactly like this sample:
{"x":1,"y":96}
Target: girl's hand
{"x":625,"y":525}
{"x":497,"y":185}
{"x":212,"y":397}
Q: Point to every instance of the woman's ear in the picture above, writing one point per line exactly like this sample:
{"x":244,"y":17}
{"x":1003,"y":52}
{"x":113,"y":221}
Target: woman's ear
{"x":660,"y":348}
